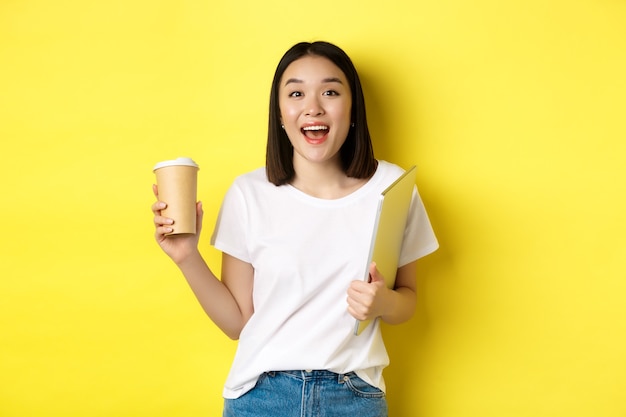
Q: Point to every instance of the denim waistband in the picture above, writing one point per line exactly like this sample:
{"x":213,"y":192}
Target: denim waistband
{"x":309,"y":374}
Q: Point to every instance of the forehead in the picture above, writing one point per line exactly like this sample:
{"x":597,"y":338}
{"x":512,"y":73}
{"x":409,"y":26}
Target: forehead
{"x":313,"y":69}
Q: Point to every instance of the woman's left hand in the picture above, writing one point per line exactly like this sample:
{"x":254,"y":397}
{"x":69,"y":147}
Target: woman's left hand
{"x":368,"y":300}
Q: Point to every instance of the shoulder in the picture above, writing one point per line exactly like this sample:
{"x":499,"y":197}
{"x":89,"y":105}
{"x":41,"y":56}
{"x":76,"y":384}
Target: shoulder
{"x":251,"y":180}
{"x":254,"y":184}
{"x":255,"y":176}
{"x":388,"y":171}
{"x":386,"y":166}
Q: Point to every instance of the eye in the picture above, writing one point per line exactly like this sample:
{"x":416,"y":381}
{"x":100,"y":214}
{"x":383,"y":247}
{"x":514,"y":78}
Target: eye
{"x":295,"y":94}
{"x":330,"y":93}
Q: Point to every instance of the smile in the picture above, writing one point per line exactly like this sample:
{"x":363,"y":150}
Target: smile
{"x":315,"y":133}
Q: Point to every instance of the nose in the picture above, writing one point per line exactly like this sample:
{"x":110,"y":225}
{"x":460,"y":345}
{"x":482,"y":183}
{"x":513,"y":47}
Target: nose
{"x":313,"y":107}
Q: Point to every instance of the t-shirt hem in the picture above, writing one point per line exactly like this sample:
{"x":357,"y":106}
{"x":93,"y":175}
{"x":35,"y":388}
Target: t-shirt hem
{"x":422,"y":253}
{"x":231,"y":394}
{"x":222,"y":247}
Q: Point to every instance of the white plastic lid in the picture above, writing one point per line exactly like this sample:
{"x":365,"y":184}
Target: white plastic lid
{"x":178,"y":161}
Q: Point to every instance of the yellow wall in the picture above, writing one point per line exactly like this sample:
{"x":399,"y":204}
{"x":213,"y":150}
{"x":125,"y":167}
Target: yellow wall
{"x":513,"y":110}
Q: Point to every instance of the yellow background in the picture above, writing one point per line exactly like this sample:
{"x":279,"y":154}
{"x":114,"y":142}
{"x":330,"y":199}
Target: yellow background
{"x":513,"y":111}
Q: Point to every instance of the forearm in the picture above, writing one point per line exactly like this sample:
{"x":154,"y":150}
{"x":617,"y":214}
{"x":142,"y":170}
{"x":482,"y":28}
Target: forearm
{"x":400,"y":305}
{"x":214,"y":297}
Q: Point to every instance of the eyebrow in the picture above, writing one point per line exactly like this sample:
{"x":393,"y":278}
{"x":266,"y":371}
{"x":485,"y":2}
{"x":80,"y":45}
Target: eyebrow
{"x":324,"y":81}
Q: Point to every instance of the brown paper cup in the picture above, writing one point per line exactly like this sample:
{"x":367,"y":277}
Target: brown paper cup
{"x":177,"y":181}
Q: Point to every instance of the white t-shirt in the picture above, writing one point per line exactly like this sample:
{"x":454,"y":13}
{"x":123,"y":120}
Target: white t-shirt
{"x":305,"y":252}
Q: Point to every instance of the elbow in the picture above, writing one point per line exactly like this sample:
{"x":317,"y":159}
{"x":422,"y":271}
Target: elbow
{"x":233,"y":328}
{"x":233,"y":335}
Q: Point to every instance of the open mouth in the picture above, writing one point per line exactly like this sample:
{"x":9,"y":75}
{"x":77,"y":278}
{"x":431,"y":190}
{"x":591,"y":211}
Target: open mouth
{"x":315,"y":132}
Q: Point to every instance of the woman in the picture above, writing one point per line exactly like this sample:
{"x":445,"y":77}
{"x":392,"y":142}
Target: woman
{"x":294,"y":237}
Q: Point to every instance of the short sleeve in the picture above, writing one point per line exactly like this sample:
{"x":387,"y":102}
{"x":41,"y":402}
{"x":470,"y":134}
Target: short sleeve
{"x":419,"y":237}
{"x":231,"y":228}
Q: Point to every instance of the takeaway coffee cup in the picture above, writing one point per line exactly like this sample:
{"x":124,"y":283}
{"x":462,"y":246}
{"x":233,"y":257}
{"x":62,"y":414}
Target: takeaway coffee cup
{"x":177,"y":181}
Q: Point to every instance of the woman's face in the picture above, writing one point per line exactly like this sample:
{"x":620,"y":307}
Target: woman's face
{"x":315,"y":105}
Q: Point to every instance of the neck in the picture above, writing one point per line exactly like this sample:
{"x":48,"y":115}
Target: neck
{"x":324,"y":180}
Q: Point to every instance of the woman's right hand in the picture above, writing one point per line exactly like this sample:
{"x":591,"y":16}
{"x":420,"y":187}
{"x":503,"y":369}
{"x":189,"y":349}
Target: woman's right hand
{"x":177,"y":247}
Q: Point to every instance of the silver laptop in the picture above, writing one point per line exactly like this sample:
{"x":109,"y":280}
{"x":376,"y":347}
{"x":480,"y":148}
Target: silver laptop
{"x":388,"y":233}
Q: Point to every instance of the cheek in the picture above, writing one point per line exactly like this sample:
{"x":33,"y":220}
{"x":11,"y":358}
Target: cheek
{"x":287,"y":113}
{"x":346,"y":114}
{"x":346,"y":110}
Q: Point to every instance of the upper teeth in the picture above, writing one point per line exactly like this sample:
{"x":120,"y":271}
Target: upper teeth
{"x":315,"y":127}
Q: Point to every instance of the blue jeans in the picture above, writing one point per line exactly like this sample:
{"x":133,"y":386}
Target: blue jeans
{"x":308,"y":394}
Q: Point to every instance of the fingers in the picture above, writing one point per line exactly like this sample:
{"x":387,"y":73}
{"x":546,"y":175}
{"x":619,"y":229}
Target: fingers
{"x":160,"y":221}
{"x":362,"y":288}
{"x":161,"y":232}
{"x":162,"y":224}
{"x":358,"y":309}
{"x":157,"y":207}
{"x":360,"y":300}
{"x":366,"y":300}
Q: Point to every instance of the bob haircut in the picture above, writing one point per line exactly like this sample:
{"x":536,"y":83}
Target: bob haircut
{"x":357,"y":154}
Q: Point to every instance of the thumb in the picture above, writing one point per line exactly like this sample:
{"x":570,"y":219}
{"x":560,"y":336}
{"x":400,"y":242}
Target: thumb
{"x":375,"y":275}
{"x":199,"y":216}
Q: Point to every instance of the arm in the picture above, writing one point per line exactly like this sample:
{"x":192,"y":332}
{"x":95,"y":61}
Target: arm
{"x":368,"y":300}
{"x":227,"y":302}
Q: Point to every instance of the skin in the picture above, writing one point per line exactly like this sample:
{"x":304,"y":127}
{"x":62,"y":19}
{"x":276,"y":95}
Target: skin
{"x":313,"y":92}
